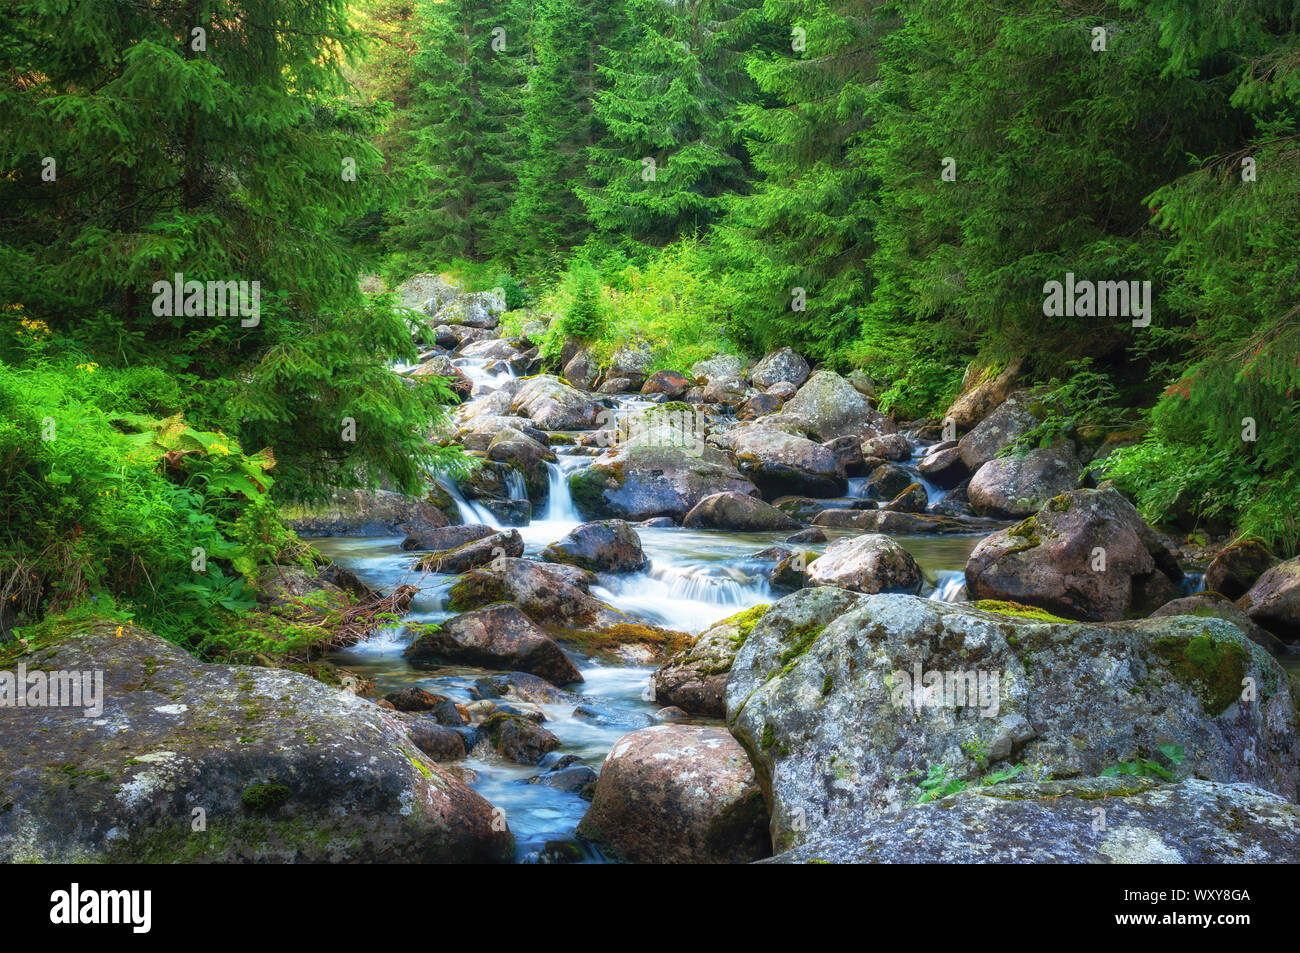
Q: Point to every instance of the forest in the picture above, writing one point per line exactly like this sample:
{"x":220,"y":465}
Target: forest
{"x":280,"y":281}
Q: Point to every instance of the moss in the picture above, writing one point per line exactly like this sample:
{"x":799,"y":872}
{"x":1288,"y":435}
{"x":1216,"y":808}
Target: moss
{"x":803,"y":638}
{"x":1215,"y":667}
{"x":1059,"y":503}
{"x":264,"y":798}
{"x":607,"y":641}
{"x":768,"y":737}
{"x":1003,"y":607}
{"x":828,"y":684}
{"x":475,"y":589}
{"x":744,"y":623}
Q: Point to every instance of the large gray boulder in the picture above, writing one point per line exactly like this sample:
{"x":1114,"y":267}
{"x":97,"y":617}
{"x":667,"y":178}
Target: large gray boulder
{"x":1086,"y":555}
{"x":280,"y":767}
{"x":781,"y":463}
{"x":1085,"y":821}
{"x":552,"y":404}
{"x":362,"y":513}
{"x":678,"y":794}
{"x":832,"y":407}
{"x":496,"y":636}
{"x":784,"y":365}
{"x":1013,"y":418}
{"x":480,"y":309}
{"x":599,"y":546}
{"x":843,"y":723}
{"x":1012,"y":487}
{"x":870,"y":563}
{"x":718,"y":366}
{"x":738,"y":511}
{"x":639,"y":480}
{"x":426,"y":289}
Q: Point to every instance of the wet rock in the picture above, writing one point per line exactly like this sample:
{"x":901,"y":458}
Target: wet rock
{"x":1072,"y":698}
{"x":782,"y":390}
{"x":672,"y":384}
{"x":498,"y":636}
{"x":759,"y":405}
{"x":898,"y":524}
{"x":1085,"y":555}
{"x":619,"y":385}
{"x":671,"y":715}
{"x":442,"y":368}
{"x":678,"y":794}
{"x":1013,"y":487}
{"x":1053,"y":822}
{"x":597,"y":712}
{"x":552,"y":404}
{"x":944,"y":468}
{"x":1274,"y":600}
{"x":362,"y":513}
{"x":887,"y":481}
{"x":518,"y":739}
{"x":478,"y":552}
{"x":551,"y":594}
{"x":890,"y":446}
{"x":526,"y":454}
{"x":245,"y":744}
{"x":695,"y":679}
{"x":737,"y":511}
{"x":832,"y":407}
{"x":911,"y":500}
{"x":791,"y":572}
{"x":579,"y":780}
{"x":414,"y":699}
{"x":424,"y":536}
{"x":510,"y":512}
{"x":779,"y":463}
{"x":490,"y":349}
{"x":439,"y":742}
{"x":640,"y":480}
{"x":520,"y":686}
{"x":848,"y":455}
{"x":1013,"y":419}
{"x":599,"y":546}
{"x":812,"y":534}
{"x":871,"y":563}
{"x":783,"y":366}
{"x":1237,"y":567}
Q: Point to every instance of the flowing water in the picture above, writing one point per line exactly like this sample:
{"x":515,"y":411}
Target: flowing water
{"x":694,"y":579}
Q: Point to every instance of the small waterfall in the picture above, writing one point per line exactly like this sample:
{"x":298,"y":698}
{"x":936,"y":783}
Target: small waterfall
{"x":950,"y":586}
{"x":515,"y":484}
{"x":934,"y":494}
{"x":1193,"y":582}
{"x":685,"y":598}
{"x":559,"y":501}
{"x":469,"y":512}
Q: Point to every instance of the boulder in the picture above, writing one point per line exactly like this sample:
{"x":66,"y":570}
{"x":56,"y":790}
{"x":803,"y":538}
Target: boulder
{"x":1085,"y":555}
{"x":832,"y":407}
{"x":844,"y":722}
{"x":737,"y":511}
{"x":695,"y":679}
{"x":582,"y":370}
{"x":898,"y":524}
{"x":721,"y":365}
{"x":439,"y":742}
{"x":759,"y":405}
{"x":498,"y":636}
{"x":1012,"y":420}
{"x":890,"y":446}
{"x":887,"y":481}
{"x":427,"y":537}
{"x":729,"y":391}
{"x":428,"y":290}
{"x":631,"y":362}
{"x":599,"y":546}
{"x":1274,"y":600}
{"x":552,"y":404}
{"x":480,"y":309}
{"x":983,"y":389}
{"x":782,"y":390}
{"x":1055,"y":822}
{"x":490,"y":349}
{"x":441,"y":367}
{"x":783,"y":366}
{"x":526,"y":454}
{"x":362,"y":513}
{"x":912,"y":500}
{"x":672,"y":384}
{"x":779,"y":463}
{"x":286,"y":769}
{"x":870,"y":563}
{"x":678,"y":794}
{"x":1013,"y":487}
{"x":1237,"y":567}
{"x":944,"y":468}
{"x":478,"y":552}
{"x":518,"y":738}
{"x":555,"y":596}
{"x":639,"y":480}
